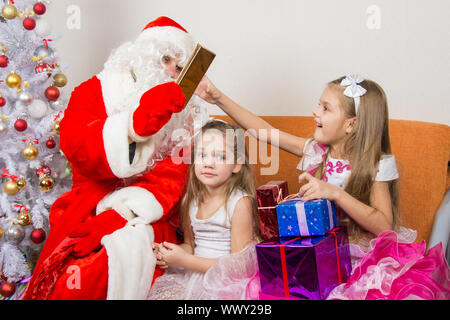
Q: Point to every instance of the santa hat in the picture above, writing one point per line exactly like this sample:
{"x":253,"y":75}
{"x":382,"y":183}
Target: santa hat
{"x":166,"y":29}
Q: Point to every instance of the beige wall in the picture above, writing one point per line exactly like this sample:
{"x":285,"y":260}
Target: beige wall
{"x":274,"y":57}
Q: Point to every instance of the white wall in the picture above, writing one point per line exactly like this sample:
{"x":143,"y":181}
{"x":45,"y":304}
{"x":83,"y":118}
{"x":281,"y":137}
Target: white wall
{"x":275,"y":57}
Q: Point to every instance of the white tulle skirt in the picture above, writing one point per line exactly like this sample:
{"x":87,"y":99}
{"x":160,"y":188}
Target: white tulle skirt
{"x":227,"y":279}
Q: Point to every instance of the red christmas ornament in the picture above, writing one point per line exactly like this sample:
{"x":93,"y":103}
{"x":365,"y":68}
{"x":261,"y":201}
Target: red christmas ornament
{"x":20,"y":125}
{"x":37,"y":235}
{"x":52,"y":93}
{"x":50,"y":143}
{"x":44,"y":170}
{"x":7,"y":289}
{"x":2,"y":102}
{"x":29,"y":23}
{"x":3,"y":61}
{"x":44,"y":67}
{"x":39,"y":8}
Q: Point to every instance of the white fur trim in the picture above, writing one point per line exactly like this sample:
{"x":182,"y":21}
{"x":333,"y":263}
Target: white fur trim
{"x":115,"y":86}
{"x":131,"y":262}
{"x":116,"y":132}
{"x":135,"y":204}
{"x":116,"y":144}
{"x":169,"y":34}
{"x":133,"y":135}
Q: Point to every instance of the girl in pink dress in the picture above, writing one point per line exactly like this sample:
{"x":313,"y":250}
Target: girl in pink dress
{"x":349,"y":162}
{"x":219,"y":220}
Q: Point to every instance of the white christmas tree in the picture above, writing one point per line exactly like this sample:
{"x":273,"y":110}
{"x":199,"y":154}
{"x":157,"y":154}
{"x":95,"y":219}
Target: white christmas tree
{"x":33,"y":169}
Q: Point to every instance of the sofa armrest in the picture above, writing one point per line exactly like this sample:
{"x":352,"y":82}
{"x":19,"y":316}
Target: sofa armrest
{"x":441,"y":226}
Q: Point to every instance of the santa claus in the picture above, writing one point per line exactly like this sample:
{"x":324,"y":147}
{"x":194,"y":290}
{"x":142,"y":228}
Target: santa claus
{"x":117,"y":134}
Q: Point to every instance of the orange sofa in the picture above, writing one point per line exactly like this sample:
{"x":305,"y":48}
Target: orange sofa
{"x":422,"y":150}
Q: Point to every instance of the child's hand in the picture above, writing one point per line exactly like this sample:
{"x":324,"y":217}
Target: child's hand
{"x":159,"y":261}
{"x":207,"y":91}
{"x":172,"y":254}
{"x":316,"y":189}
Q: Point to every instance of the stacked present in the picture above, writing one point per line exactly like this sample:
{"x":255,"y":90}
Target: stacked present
{"x":311,"y":218}
{"x":308,"y":255}
{"x":268,"y":196}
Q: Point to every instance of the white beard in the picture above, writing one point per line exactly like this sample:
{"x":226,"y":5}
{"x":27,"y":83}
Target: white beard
{"x":124,"y":90}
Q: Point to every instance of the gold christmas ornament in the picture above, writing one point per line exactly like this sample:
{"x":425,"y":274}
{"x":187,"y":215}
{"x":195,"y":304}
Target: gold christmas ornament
{"x":24,"y":218}
{"x":21,"y":183}
{"x":30,"y":152}
{"x":13,"y":80}
{"x":1,"y":232}
{"x":60,"y":80}
{"x":56,"y":126}
{"x":11,"y":188}
{"x":46,"y":183}
{"x":9,"y":11}
{"x":27,"y":13}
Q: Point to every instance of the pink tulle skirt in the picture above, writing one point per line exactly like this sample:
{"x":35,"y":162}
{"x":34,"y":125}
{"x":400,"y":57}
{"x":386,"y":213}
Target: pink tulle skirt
{"x":394,"y":267}
{"x":227,"y":279}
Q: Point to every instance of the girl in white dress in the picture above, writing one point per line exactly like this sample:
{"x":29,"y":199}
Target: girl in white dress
{"x":349,"y":161}
{"x":219,"y":221}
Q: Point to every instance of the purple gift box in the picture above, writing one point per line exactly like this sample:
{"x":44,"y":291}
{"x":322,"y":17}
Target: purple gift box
{"x":305,"y":268}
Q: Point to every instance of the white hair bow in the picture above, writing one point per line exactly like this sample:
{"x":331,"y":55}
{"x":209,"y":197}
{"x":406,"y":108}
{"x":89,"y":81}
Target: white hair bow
{"x":353,"y":90}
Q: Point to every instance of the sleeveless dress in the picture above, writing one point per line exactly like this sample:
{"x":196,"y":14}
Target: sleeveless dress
{"x":391,"y":266}
{"x":227,"y":279}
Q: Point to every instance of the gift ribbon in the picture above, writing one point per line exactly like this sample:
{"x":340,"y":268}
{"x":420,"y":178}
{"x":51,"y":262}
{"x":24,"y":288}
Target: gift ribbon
{"x":283,"y":266}
{"x":290,"y":197}
{"x":31,"y":140}
{"x":333,"y":232}
{"x":25,"y":280}
{"x":46,"y":42}
{"x":280,"y":199}
{"x":301,"y":218}
{"x":330,"y":214}
{"x":4,"y":280}
{"x":279,"y":196}
{"x":57,"y":117}
{"x":9,"y":175}
{"x":21,"y":207}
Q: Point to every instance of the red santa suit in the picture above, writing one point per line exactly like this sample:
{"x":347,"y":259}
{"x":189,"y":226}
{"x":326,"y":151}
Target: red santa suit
{"x":99,"y":245}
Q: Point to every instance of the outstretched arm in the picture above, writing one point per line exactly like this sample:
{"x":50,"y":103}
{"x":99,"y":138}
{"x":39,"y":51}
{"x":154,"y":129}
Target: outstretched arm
{"x":247,"y":120}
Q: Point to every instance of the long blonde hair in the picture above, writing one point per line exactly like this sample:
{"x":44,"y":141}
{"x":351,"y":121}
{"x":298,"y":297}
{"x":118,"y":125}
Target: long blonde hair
{"x":242,"y":180}
{"x":364,"y":146}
